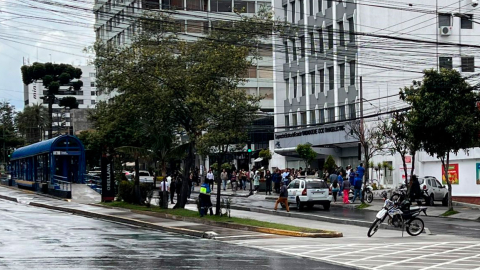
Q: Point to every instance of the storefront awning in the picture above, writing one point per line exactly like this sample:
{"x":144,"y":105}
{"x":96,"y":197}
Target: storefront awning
{"x":258,"y":159}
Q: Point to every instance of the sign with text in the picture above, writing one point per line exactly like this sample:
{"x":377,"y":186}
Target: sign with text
{"x":452,"y":174}
{"x":309,"y":132}
{"x":478,"y":173}
{"x":108,"y":179}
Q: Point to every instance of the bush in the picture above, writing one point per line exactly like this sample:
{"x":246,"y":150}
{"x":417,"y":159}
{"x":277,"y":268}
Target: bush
{"x":126,"y":192}
{"x":374,"y":186}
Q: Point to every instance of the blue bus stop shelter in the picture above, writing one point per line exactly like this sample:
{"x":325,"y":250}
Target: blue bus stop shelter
{"x":51,"y":165}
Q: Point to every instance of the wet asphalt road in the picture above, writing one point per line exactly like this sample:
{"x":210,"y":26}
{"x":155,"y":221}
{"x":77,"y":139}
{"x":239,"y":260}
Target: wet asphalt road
{"x":37,"y":238}
{"x":436,"y":225}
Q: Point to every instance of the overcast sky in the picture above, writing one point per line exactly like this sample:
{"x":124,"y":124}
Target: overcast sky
{"x":43,"y":31}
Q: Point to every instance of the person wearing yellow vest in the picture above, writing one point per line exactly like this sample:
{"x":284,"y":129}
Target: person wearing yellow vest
{"x":204,"y":200}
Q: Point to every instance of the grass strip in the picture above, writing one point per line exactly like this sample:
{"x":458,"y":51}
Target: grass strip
{"x":362,"y":206}
{"x":449,"y":213}
{"x":195,"y":214}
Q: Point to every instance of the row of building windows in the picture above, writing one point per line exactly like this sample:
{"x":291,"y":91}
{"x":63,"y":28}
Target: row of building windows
{"x":317,"y":41}
{"x":320,"y":116}
{"x":320,"y":86}
{"x":300,"y":15}
{"x":265,"y":92}
{"x":467,"y":63}
{"x":466,"y":20}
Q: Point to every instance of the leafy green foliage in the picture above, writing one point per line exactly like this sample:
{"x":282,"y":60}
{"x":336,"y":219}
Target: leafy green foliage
{"x":9,"y":136}
{"x":265,"y":153}
{"x":70,"y":102}
{"x":443,"y":115}
{"x":306,"y":153}
{"x":329,"y":164}
{"x":32,"y":122}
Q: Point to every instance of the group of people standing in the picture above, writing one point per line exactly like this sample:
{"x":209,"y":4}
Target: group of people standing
{"x":341,"y":182}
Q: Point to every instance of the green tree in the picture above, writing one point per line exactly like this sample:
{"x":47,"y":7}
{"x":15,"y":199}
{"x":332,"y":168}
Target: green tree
{"x":186,"y":78}
{"x":266,"y":155}
{"x":400,"y":139}
{"x":306,"y":153}
{"x":32,"y":122}
{"x":330,"y":164}
{"x":443,"y":116}
{"x":9,"y":135}
{"x":70,"y":102}
{"x":371,"y":140}
{"x":53,"y":76}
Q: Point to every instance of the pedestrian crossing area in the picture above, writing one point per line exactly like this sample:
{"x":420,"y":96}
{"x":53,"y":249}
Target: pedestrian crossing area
{"x":380,"y":256}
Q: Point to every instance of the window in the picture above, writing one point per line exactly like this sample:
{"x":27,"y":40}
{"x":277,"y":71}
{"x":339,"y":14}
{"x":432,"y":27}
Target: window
{"x":310,"y":5}
{"x":294,"y":87}
{"x":93,"y":102}
{"x":444,"y":20}
{"x":252,"y":72}
{"x":341,"y":32}
{"x":331,"y":79}
{"x":468,"y":64}
{"x":353,"y":112}
{"x":342,"y":75}
{"x":196,"y":26}
{"x":151,"y":4}
{"x":287,"y":121}
{"x":92,"y":93}
{"x":92,"y":74}
{"x":466,"y":21}
{"x":287,"y":58}
{"x":302,"y":46}
{"x":312,"y":117}
{"x":302,"y":9}
{"x":294,"y":120}
{"x":221,"y":5}
{"x":330,"y":37}
{"x":265,"y":72}
{"x":322,"y":80}
{"x":341,"y":112}
{"x":293,"y":11}
{"x":321,"y":114}
{"x":351,"y":30}
{"x":312,"y":44}
{"x":320,"y":5}
{"x":180,"y":25}
{"x":80,"y":101}
{"x":92,"y":84}
{"x":320,"y":40}
{"x":303,"y":118}
{"x":329,"y":3}
{"x":287,"y":88}
{"x":304,"y":84}
{"x":294,"y":50}
{"x":244,"y":6}
{"x":312,"y":81}
{"x":172,"y":4}
{"x":352,"y":72}
{"x":445,"y":62}
{"x":197,"y":5}
{"x":252,"y":91}
{"x":331,"y":115}
{"x":266,"y":92}
{"x":285,"y":13}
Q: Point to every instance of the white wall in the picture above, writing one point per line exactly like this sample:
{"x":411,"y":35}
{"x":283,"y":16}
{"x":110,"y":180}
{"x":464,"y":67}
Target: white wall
{"x":466,"y":170}
{"x":277,"y":160}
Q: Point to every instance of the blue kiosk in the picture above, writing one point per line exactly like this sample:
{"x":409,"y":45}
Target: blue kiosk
{"x":50,"y":166}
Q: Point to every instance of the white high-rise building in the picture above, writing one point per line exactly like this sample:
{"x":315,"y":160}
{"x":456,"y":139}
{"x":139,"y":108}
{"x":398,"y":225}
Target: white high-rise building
{"x":344,"y":46}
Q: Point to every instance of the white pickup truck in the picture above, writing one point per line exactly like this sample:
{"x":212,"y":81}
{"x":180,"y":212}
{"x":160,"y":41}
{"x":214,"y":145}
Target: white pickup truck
{"x":144,"y":177}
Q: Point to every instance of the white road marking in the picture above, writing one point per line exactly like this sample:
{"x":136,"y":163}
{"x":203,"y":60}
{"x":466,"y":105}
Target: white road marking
{"x":451,"y":262}
{"x":400,"y":251}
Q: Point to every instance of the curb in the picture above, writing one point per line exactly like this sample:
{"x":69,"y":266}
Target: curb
{"x":8,"y":198}
{"x":322,"y":234}
{"x":226,"y":195}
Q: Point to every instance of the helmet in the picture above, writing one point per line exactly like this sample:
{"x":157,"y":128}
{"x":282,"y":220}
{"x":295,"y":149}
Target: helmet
{"x":383,"y":195}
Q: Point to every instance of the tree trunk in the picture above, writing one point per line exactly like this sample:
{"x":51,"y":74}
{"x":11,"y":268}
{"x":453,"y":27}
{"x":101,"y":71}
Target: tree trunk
{"x":450,"y":205}
{"x":182,"y":201}
{"x":138,"y":195}
{"x":219,"y":181}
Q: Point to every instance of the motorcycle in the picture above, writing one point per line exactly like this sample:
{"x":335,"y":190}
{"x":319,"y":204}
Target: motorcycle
{"x":400,"y":193}
{"x":368,"y":193}
{"x":399,"y":215}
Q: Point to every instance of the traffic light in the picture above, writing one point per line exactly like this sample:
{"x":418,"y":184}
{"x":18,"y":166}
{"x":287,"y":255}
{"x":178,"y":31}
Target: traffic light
{"x":249,"y":147}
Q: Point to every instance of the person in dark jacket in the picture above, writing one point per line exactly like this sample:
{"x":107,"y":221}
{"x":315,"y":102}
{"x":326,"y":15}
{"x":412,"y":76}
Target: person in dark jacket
{"x":283,"y":197}
{"x":415,"y":191}
{"x":276,"y":179}
{"x":357,"y":188}
{"x":173,"y":189}
{"x":268,"y":183}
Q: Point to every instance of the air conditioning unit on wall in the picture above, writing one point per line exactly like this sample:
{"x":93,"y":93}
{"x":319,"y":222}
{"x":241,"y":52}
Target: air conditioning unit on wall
{"x":445,"y":30}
